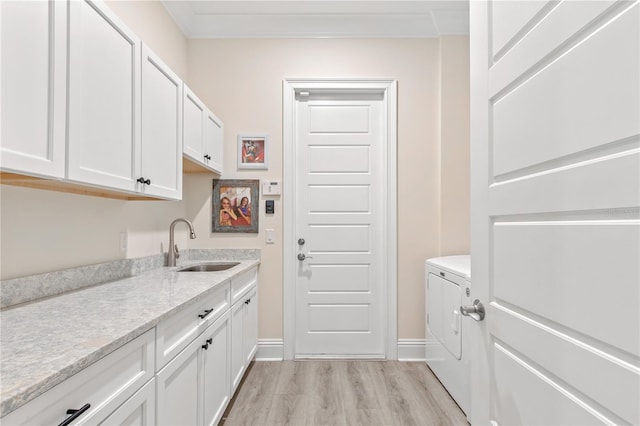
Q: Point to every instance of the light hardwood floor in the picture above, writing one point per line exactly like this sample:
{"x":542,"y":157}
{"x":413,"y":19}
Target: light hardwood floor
{"x":342,"y":393}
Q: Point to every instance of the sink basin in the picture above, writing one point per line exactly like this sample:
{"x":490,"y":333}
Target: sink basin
{"x":209,"y":267}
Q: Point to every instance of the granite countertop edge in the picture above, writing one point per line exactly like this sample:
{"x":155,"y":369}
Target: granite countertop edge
{"x":171,"y":292}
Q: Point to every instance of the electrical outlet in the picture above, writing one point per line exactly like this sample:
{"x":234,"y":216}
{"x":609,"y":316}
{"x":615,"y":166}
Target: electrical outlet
{"x":124,"y":241}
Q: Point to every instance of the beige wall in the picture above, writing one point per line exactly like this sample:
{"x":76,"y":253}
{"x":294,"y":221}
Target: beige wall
{"x":155,"y":27}
{"x":241,"y":81}
{"x":454,"y":145}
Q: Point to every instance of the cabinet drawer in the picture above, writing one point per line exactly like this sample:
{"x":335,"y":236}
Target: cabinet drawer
{"x":177,"y":331}
{"x":104,"y":385}
{"x":242,"y":283}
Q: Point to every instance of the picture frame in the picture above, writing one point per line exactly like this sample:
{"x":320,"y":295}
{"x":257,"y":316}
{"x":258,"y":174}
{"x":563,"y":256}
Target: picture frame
{"x":235,"y":205}
{"x":253,"y":151}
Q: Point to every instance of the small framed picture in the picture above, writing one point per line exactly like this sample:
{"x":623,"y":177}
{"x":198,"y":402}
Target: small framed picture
{"x":253,"y":152}
{"x":235,"y":206}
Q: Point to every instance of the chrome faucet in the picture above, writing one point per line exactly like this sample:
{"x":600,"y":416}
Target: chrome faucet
{"x":173,"y":253}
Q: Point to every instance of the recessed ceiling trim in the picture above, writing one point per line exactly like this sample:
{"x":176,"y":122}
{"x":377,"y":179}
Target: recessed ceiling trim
{"x":319,"y":19}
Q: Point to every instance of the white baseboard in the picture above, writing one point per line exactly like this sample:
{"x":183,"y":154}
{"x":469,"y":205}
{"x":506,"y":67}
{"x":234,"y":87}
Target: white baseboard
{"x":270,"y":350}
{"x":408,"y":349}
{"x":411,"y":349}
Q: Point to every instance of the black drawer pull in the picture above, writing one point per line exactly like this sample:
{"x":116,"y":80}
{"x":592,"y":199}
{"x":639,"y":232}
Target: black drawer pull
{"x":144,"y":181}
{"x":207,"y":343}
{"x":74,"y":414}
{"x":246,"y":302}
{"x":207,"y":157}
{"x":206,"y":312}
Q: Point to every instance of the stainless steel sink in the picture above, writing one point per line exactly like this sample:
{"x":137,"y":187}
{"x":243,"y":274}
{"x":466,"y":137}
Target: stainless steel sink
{"x":209,"y":267}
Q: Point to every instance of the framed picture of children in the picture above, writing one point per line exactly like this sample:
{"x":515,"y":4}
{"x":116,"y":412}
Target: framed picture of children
{"x":235,"y":206}
{"x":253,"y":152}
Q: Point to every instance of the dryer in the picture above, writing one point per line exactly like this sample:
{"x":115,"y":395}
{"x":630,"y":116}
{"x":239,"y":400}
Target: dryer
{"x":448,"y":282}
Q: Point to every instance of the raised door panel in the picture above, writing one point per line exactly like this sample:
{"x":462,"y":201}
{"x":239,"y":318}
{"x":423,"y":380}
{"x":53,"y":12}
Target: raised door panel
{"x":556,"y":224}
{"x":215,"y":370}
{"x":193,"y":126}
{"x":237,"y":345}
{"x":161,"y":150}
{"x":213,"y":142}
{"x":250,"y":325}
{"x":104,"y":98}
{"x":178,"y":387}
{"x":33,"y":56}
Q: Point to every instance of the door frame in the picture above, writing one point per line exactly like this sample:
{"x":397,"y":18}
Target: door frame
{"x":388,"y":88}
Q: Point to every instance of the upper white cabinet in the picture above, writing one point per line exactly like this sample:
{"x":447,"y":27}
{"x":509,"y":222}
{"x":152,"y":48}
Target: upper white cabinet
{"x":33,"y":84}
{"x":194,"y":113}
{"x":104,"y":98}
{"x":161,"y":153}
{"x":203,"y":133}
{"x":84,"y":102}
{"x":213,"y":142}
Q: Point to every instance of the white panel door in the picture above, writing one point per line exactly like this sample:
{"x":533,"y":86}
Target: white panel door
{"x":104,"y":98}
{"x":340,"y":208}
{"x":555,"y":212}
{"x":161,"y":139}
{"x":34,"y":68}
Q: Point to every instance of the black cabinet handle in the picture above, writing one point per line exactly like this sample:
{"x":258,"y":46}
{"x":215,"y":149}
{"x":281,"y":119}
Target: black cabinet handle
{"x":144,"y":181}
{"x":208,"y":342}
{"x":206,"y":312}
{"x":207,"y":157}
{"x":74,"y":414}
{"x":246,"y":302}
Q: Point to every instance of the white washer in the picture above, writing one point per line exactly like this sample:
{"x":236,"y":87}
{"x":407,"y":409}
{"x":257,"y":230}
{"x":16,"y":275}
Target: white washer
{"x":447,"y":280}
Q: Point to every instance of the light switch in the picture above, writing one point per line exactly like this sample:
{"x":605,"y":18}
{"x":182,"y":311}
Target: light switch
{"x":270,"y":236}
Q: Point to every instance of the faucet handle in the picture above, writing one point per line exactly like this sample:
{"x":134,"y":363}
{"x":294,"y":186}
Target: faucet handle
{"x":175,"y":250}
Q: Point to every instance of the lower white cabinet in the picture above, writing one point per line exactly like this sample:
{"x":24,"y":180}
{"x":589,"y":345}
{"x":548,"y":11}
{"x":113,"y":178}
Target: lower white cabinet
{"x":193,"y":388}
{"x":244,"y":335}
{"x":99,"y":392}
{"x":182,"y":372}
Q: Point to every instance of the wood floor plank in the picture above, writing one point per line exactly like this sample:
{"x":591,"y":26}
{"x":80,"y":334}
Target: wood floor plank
{"x":342,"y":393}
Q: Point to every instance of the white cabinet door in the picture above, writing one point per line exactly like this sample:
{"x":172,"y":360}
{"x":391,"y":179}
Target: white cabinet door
{"x":237,"y":345}
{"x":215,"y":370}
{"x":178,"y":387}
{"x":138,"y":410}
{"x":250,"y":326}
{"x":194,"y":116}
{"x":203,"y":133}
{"x":104,"y":98}
{"x":161,"y":151}
{"x":213,"y":142}
{"x":33,"y":85}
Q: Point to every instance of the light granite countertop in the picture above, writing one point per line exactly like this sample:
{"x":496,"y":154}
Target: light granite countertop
{"x":42,"y":343}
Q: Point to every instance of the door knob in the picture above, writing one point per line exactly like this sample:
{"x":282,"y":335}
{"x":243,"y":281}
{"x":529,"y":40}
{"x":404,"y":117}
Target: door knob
{"x":476,"y":311}
{"x":301,"y":241}
{"x":302,"y":256}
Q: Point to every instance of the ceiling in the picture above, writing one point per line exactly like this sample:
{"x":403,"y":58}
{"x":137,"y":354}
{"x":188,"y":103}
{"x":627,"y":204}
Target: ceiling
{"x":319,"y":18}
